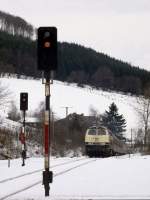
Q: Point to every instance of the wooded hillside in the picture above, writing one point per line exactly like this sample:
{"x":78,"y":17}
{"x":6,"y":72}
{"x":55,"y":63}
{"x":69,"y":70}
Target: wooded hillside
{"x":75,"y":63}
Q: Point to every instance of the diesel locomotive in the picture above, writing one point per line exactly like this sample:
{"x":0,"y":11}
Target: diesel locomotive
{"x":100,"y":142}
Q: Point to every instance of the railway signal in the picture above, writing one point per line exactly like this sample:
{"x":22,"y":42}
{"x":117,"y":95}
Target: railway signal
{"x":23,"y":107}
{"x":24,"y":101}
{"x":47,"y":48}
{"x":47,"y":62}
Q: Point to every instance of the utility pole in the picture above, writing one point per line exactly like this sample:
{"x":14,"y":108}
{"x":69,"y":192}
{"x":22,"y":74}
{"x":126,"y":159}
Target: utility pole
{"x":67,"y":125}
{"x":131,"y":141}
{"x":67,"y":109}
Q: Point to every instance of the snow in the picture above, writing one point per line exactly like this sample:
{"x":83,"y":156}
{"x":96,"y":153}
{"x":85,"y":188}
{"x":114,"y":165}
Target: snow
{"x":125,"y":177}
{"x":102,"y":178}
{"x":79,"y":100}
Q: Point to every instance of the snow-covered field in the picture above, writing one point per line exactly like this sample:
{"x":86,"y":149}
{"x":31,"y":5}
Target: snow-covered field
{"x":80,"y":100}
{"x":103,"y":178}
{"x":110,"y":178}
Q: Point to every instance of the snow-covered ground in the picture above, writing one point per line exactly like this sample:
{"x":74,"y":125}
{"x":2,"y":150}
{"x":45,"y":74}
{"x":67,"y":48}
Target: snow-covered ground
{"x":108,"y":178}
{"x":80,"y":100}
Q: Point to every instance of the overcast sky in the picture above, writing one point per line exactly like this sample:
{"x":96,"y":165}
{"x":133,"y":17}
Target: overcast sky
{"x":119,"y":28}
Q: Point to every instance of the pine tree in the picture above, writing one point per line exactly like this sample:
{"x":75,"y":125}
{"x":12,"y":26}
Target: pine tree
{"x":113,"y":121}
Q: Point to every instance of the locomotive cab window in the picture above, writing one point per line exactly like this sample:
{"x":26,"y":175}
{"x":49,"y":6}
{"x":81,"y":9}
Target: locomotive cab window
{"x":101,"y":131}
{"x":92,"y":132}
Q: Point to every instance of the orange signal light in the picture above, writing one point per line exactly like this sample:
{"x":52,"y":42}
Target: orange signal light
{"x":47,"y":44}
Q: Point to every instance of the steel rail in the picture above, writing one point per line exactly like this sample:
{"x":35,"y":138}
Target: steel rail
{"x":39,"y":170}
{"x":55,"y":175}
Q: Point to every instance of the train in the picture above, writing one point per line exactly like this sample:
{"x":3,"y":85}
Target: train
{"x":100,"y":142}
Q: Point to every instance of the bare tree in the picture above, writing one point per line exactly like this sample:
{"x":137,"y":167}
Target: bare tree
{"x":13,"y":113}
{"x":93,"y":111}
{"x":4,"y":99}
{"x":138,"y":140}
{"x":143,"y":111}
{"x":95,"y":114}
{"x":15,"y":25}
{"x":4,"y":95}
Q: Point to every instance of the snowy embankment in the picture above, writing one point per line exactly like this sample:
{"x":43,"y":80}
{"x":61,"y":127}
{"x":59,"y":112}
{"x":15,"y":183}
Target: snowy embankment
{"x":79,"y":100}
{"x":109,"y":178}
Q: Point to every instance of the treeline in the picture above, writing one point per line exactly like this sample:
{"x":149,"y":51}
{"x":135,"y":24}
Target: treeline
{"x":75,"y":64}
{"x":17,"y":55}
{"x":15,"y":25}
{"x":86,"y":66}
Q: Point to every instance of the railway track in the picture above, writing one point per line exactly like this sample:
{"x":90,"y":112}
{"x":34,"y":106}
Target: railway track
{"x":39,"y":170}
{"x":76,"y":164}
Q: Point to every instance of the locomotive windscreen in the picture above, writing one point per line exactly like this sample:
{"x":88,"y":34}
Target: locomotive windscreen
{"x":101,"y":131}
{"x":92,"y":131}
{"x":97,"y":131}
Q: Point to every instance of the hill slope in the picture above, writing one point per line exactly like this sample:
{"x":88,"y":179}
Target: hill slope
{"x":76,"y":64}
{"x":80,"y":100}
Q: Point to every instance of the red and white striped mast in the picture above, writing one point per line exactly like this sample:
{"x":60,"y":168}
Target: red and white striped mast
{"x":47,"y":174}
{"x":47,"y":62}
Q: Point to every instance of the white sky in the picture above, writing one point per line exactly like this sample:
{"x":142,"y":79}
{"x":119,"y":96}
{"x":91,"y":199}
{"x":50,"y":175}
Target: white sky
{"x":119,"y":28}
